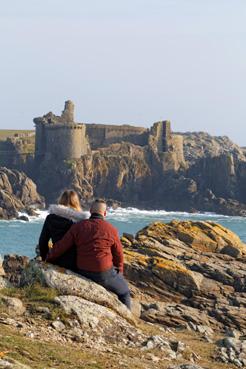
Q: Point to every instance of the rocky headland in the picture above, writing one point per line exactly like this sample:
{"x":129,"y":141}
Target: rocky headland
{"x":151,"y":168}
{"x":188,"y":284}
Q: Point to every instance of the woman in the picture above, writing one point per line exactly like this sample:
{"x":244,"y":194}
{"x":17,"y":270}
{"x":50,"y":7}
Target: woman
{"x":61,"y":217}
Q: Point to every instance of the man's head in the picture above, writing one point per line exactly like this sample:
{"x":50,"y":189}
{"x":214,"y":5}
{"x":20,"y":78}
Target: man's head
{"x":99,"y":206}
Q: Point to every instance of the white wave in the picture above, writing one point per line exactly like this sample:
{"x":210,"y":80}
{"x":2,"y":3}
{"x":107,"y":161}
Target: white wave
{"x":41,"y":215}
{"x":130,"y":211}
{"x":130,"y":214}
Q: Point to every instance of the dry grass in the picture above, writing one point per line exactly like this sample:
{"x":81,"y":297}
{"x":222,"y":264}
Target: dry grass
{"x":4,"y":133}
{"x":40,"y":355}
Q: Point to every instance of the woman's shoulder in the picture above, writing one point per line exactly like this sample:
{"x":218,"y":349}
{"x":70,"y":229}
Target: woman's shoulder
{"x":68,"y":213}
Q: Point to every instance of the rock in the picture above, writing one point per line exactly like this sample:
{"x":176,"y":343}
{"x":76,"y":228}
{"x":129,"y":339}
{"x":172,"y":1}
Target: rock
{"x":129,"y":237}
{"x":186,"y":366}
{"x":231,"y":251}
{"x":159,"y":342}
{"x":152,"y":357}
{"x":13,"y":266}
{"x":4,"y":283}
{"x":182,"y":262}
{"x":2,"y":272}
{"x":9,"y":363}
{"x":199,"y":235}
{"x":17,"y":194}
{"x":157,"y":270}
{"x":92,"y":316}
{"x":136,"y":308}
{"x":12,"y":305}
{"x":232,"y":333}
{"x":68,"y":283}
{"x":230,"y":342}
{"x":232,"y":350}
{"x":204,"y":329}
{"x":176,"y":316}
{"x":24,"y":218}
{"x":58,"y":325}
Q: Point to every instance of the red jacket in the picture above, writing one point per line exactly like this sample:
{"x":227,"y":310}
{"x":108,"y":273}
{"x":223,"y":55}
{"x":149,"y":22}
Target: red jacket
{"x":97,"y":243}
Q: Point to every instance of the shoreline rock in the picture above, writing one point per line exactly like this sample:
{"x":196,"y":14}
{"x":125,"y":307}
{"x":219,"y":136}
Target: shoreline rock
{"x":18,"y":193}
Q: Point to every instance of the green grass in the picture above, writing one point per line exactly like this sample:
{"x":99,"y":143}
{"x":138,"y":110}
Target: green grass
{"x":4,"y":133}
{"x":34,"y":296}
{"x":40,"y":355}
{"x":32,"y":293}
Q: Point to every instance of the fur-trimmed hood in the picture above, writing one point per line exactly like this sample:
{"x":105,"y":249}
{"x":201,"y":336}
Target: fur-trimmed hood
{"x":68,"y":213}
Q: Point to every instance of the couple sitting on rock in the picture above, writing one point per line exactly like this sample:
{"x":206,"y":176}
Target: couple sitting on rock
{"x":90,"y":247}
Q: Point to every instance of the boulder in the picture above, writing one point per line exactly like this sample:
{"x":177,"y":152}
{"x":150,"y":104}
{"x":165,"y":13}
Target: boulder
{"x":71,"y":284}
{"x":12,"y":305}
{"x":94,"y":317}
{"x":199,"y":235}
{"x":4,"y":283}
{"x":18,"y":193}
{"x":200,"y":265}
{"x":13,"y":266}
{"x":175,"y":316}
{"x":160,"y":271}
{"x":9,"y":363}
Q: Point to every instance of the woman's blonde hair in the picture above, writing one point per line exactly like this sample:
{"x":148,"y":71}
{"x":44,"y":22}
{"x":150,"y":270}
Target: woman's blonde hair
{"x":70,"y":198}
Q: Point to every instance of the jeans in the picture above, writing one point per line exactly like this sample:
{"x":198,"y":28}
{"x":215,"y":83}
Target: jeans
{"x":112,"y":281}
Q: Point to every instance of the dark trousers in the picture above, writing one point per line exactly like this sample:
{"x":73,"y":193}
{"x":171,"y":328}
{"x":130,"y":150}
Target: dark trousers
{"x":112,"y":281}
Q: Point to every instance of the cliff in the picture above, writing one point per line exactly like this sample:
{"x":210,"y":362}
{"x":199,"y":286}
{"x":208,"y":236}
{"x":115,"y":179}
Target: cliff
{"x":143,"y":177}
{"x":187,"y":280}
{"x":198,"y":145}
{"x":18,"y":193}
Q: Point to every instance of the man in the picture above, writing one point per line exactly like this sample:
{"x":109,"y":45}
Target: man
{"x":99,"y":251}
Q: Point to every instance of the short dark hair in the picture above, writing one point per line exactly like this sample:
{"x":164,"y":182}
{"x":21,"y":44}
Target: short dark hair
{"x":98,"y":206}
{"x":100,"y":200}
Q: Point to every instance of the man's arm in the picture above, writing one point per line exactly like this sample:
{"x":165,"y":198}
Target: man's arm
{"x":62,"y":246}
{"x":117,"y":253}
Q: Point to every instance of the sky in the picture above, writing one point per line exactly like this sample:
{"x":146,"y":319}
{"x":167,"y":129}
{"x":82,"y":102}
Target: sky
{"x":126,"y":62}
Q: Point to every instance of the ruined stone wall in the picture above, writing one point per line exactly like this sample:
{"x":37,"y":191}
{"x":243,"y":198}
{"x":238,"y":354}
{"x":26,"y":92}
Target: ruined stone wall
{"x":168,"y":146}
{"x":40,"y":140}
{"x":161,"y":131}
{"x":177,"y":143}
{"x":6,"y":154}
{"x":102,"y":135}
{"x":65,"y":141}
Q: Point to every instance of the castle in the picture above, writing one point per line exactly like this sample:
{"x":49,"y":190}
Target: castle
{"x":61,"y":138}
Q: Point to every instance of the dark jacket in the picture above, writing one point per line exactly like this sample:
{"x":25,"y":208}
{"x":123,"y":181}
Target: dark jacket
{"x":97,"y":243}
{"x":54,"y":228}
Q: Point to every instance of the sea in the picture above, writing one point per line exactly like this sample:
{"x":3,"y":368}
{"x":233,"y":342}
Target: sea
{"x":20,"y":237}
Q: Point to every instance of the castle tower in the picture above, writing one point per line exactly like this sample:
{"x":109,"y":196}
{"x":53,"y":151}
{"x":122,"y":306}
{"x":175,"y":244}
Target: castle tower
{"x":162,"y":133}
{"x":68,"y":112}
{"x":59,"y":137}
{"x":168,"y":145}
